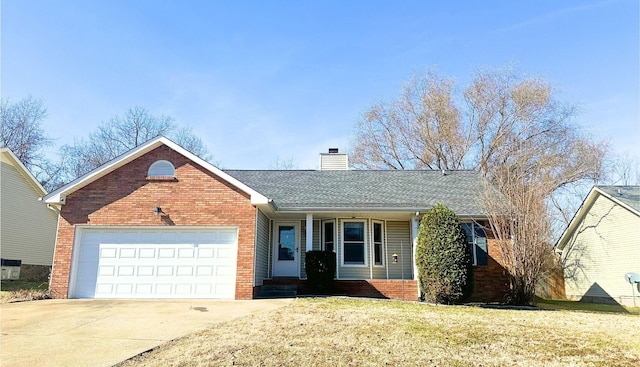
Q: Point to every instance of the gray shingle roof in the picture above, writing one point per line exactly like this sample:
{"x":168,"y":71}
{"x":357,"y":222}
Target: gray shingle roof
{"x":367,"y":190}
{"x":629,"y":195}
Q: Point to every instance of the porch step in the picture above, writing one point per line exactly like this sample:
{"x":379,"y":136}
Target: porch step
{"x":278,"y":291}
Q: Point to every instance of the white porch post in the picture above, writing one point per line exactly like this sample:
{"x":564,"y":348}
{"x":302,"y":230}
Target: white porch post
{"x":309,"y":232}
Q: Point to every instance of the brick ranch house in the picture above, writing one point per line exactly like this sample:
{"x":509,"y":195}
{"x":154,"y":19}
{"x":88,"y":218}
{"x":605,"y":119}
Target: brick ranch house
{"x":159,"y":222}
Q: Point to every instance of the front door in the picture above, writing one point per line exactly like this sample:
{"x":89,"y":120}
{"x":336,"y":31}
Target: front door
{"x":286,"y":250}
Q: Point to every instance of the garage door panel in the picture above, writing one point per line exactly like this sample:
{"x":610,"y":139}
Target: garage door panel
{"x":225,"y":271}
{"x":165,"y":271}
{"x":184,"y":271}
{"x":166,"y":253}
{"x":126,"y":271}
{"x":146,"y":271}
{"x":106,"y":270}
{"x":108,"y":252}
{"x":144,"y":289}
{"x":147,"y":253}
{"x":204,"y":289}
{"x":186,"y":253}
{"x":206,"y":253}
{"x":156,"y":264}
{"x":127,"y":252}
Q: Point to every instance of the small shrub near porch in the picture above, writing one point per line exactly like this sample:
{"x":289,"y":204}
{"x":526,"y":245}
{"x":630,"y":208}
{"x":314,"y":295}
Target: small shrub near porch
{"x":443,"y":257}
{"x":321,"y":270}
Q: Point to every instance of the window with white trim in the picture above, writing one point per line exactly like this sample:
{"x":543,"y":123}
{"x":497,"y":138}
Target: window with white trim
{"x":477,"y":240}
{"x":161,"y":168}
{"x":328,"y":235}
{"x":378,"y":243}
{"x":353,"y":243}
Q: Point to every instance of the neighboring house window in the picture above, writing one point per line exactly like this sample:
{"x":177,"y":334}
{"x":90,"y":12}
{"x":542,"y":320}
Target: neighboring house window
{"x":354,"y":252}
{"x":328,"y":235}
{"x":477,"y":239}
{"x":378,"y":238}
{"x":161,"y":169}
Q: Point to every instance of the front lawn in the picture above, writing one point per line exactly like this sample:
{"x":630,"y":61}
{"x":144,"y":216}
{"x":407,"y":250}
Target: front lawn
{"x":20,"y":290}
{"x":360,"y":332}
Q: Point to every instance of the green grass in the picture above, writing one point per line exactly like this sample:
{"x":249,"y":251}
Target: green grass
{"x":336,"y":331}
{"x":15,"y":285}
{"x":21,"y":290}
{"x":584,"y":306}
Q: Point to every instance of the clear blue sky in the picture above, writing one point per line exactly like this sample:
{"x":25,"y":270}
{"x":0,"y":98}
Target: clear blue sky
{"x":264,"y":79}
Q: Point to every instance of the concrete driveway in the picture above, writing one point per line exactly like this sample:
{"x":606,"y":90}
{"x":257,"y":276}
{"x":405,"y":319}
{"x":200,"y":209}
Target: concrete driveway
{"x":105,"y":332}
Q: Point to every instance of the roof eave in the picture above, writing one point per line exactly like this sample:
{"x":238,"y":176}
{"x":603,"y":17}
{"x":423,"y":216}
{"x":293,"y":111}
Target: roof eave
{"x":366,"y":209}
{"x":618,"y":201}
{"x":577,"y":217}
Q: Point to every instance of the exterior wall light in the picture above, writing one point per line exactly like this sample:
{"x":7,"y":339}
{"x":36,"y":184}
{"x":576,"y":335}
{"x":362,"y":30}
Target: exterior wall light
{"x":157,"y":210}
{"x":395,"y":258}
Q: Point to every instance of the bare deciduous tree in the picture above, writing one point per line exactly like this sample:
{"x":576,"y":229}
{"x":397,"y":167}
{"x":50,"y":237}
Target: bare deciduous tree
{"x":624,"y":170}
{"x":512,"y":129}
{"x":519,"y":220}
{"x":283,"y":164}
{"x":120,"y":134}
{"x":22,"y":131}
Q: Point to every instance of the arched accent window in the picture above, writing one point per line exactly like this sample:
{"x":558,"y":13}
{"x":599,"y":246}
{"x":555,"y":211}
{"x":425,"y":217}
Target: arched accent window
{"x":161,"y":169}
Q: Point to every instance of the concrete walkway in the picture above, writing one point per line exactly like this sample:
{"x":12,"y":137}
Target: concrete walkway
{"x":105,"y":332}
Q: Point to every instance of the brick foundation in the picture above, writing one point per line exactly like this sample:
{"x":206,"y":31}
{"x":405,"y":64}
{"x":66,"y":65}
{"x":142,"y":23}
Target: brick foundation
{"x":406,"y":290}
{"x":372,"y":288}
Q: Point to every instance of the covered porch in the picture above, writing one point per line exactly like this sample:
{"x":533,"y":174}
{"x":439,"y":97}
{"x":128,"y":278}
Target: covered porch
{"x":374,"y":251}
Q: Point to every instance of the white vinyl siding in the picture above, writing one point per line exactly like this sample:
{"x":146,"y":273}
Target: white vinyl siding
{"x":28,"y":226}
{"x":334,"y":162}
{"x":316,"y":235}
{"x":262,"y":248}
{"x":604,"y":247}
{"x":399,"y":242}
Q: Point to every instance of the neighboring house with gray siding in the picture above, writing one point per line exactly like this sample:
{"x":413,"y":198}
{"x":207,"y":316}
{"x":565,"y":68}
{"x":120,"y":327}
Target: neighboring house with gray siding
{"x":28,"y":227}
{"x":601,"y":245}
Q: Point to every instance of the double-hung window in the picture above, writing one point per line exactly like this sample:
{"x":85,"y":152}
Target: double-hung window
{"x":354,"y":252}
{"x":477,"y":240}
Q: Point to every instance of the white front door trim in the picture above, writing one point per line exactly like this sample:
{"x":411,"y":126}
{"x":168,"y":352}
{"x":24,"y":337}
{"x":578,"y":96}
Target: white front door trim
{"x":287,"y":268}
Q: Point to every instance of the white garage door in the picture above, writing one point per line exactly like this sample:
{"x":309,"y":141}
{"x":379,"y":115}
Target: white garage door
{"x":155,"y":263}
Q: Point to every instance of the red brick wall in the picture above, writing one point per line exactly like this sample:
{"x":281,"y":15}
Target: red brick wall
{"x":374,"y":288}
{"x":125,"y":197}
{"x":490,"y":283}
{"x":393,"y":289}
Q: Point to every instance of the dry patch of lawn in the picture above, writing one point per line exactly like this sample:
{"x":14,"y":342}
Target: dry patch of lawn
{"x":20,"y":290}
{"x":357,"y":332}
{"x":585,"y":306}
